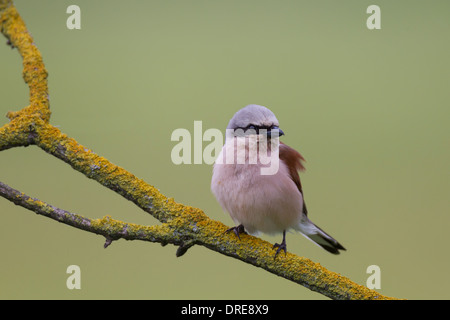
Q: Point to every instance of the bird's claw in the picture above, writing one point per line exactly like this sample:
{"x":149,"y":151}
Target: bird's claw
{"x":280,"y":247}
{"x":237,"y":230}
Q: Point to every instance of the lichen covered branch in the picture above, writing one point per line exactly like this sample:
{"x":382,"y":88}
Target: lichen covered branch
{"x":187,"y":230}
{"x":108,"y":227}
{"x":34,"y":73}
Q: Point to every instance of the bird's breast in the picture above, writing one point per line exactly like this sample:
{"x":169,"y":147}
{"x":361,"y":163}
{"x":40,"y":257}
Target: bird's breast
{"x":266,"y":203}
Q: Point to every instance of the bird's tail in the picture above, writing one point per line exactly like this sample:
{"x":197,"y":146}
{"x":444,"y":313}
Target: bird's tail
{"x":319,"y":237}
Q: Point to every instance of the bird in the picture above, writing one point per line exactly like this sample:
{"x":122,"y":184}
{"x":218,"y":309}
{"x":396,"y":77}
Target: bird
{"x":270,"y":201}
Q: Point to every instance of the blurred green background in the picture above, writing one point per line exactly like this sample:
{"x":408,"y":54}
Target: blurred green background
{"x":369,"y":110}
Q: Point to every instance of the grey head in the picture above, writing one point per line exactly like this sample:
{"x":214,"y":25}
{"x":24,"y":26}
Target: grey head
{"x":253,"y":118}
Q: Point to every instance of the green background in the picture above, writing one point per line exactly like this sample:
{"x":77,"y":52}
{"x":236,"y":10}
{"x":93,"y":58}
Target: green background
{"x":368,"y":109}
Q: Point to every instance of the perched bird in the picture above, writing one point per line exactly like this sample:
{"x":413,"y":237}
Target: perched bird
{"x":255,"y":179}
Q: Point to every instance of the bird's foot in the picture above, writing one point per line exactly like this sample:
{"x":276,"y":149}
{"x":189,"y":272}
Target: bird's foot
{"x":237,"y":230}
{"x":281,"y":246}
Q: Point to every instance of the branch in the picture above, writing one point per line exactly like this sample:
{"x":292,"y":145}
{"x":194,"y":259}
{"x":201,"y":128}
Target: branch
{"x":34,"y":72}
{"x":189,"y":230}
{"x":183,"y":226}
{"x":109,"y":228}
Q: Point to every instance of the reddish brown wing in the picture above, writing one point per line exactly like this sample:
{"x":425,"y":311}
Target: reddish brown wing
{"x":293,"y":159}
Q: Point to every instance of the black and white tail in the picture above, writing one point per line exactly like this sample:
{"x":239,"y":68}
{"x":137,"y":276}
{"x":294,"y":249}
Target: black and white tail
{"x":319,"y":237}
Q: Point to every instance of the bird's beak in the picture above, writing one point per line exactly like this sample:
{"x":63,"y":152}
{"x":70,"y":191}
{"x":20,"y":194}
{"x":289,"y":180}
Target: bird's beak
{"x":280,"y":132}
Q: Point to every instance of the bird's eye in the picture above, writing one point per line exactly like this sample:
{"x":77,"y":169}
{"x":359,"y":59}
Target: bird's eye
{"x":253,"y":128}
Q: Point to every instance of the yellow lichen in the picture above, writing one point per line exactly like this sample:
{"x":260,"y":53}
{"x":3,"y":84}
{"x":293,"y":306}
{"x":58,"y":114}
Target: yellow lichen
{"x":34,"y":72}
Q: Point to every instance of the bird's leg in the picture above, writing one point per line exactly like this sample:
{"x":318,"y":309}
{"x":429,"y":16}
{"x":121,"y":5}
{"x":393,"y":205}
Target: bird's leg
{"x":281,"y":246}
{"x":237,"y":230}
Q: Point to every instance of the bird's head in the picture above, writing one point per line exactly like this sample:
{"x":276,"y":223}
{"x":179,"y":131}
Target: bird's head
{"x":254,"y":121}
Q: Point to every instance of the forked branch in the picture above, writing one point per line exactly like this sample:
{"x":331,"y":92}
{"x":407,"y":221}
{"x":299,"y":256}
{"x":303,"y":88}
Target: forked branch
{"x":181,"y":225}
